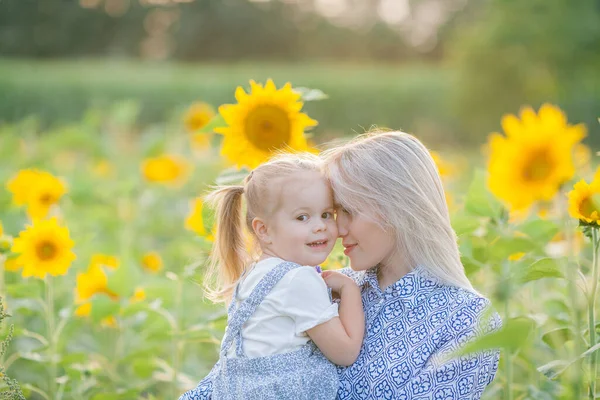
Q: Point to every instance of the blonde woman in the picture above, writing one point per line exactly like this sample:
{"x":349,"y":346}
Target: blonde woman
{"x":419,"y":305}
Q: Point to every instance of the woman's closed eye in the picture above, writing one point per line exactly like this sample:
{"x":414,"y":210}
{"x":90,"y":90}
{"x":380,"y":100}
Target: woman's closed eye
{"x":340,"y":209}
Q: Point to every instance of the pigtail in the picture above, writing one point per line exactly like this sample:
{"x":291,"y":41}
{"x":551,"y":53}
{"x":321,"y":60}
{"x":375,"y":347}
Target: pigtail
{"x":229,"y":256}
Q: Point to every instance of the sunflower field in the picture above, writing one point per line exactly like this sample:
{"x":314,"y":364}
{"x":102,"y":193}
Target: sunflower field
{"x":103,"y":240}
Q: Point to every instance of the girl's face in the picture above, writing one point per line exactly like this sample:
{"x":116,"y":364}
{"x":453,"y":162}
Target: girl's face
{"x":303,"y":229}
{"x":365,"y":242}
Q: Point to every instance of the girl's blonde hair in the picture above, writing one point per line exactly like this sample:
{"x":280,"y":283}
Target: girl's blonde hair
{"x":260,"y":192}
{"x":391,"y":178}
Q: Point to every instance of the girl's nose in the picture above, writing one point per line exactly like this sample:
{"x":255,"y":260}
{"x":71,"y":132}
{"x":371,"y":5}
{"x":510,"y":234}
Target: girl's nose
{"x":319,"y":226}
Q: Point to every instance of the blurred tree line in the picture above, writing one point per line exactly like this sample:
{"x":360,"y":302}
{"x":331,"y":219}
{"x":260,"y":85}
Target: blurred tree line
{"x":514,"y":52}
{"x":504,"y":53}
{"x":200,"y":30}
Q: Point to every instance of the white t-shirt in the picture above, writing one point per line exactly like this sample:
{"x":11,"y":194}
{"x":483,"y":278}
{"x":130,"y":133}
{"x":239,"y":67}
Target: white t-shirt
{"x":298,"y":302}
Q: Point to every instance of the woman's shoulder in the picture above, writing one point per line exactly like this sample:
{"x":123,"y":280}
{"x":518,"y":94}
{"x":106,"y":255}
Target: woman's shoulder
{"x":468,"y":310}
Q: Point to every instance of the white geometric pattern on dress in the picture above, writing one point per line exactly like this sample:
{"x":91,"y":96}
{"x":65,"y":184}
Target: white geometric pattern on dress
{"x":411,"y":326}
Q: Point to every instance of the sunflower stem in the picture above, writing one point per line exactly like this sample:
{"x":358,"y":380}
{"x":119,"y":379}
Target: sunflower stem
{"x":2,"y":262}
{"x":177,"y":344}
{"x":509,"y":361}
{"x":592,"y":313}
{"x":51,"y":338}
{"x":573,"y":292}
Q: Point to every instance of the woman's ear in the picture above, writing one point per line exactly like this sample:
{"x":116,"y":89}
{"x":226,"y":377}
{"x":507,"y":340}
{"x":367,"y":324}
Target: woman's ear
{"x":261,"y":230}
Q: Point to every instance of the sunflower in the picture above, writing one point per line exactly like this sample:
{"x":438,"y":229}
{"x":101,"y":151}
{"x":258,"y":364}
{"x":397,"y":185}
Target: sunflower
{"x":21,"y":184}
{"x":138,"y":295}
{"x":262,"y":122}
{"x":584,"y":200}
{"x":44,"y":248}
{"x":10,"y":264}
{"x":45,"y":192}
{"x":166,"y":169}
{"x":535,"y":157}
{"x":38,"y":190}
{"x":92,"y":282}
{"x":443,"y":167}
{"x":152,"y":262}
{"x":194,"y":222}
{"x":198,"y":116}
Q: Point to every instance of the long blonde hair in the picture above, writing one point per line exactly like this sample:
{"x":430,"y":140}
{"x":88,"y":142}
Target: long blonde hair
{"x":260,"y":192}
{"x":391,"y":177}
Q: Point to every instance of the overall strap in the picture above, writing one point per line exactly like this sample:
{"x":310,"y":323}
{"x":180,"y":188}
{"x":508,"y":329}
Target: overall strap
{"x":248,"y":306}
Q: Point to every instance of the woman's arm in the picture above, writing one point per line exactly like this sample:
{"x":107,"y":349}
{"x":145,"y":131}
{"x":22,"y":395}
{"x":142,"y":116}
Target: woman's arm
{"x":340,"y":338}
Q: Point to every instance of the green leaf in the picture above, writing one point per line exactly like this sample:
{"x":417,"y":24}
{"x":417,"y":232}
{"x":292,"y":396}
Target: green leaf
{"x":544,"y":268}
{"x":471,"y":265}
{"x":216,"y":122}
{"x":143,"y":367}
{"x":21,"y":290}
{"x":310,"y":94}
{"x":513,"y":335}
{"x":479,"y":201}
{"x":464,"y":224}
{"x":556,"y":338}
{"x":554,"y":368}
{"x":122,"y":281}
{"x":122,"y":395}
{"x":539,"y":230}
{"x":102,"y":307}
{"x":132,"y":309}
{"x":480,"y":249}
{"x":558,"y":310}
{"x":503,"y":247}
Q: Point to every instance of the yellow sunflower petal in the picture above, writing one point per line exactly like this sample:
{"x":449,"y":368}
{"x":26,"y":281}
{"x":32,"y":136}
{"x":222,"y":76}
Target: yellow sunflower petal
{"x":93,"y":281}
{"x":511,"y":125}
{"x":84,"y":310}
{"x":152,"y":262}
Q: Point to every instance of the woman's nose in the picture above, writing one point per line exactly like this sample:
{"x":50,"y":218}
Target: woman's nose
{"x":342,"y":226}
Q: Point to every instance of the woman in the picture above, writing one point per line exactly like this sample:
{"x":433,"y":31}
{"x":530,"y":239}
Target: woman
{"x":419,"y":305}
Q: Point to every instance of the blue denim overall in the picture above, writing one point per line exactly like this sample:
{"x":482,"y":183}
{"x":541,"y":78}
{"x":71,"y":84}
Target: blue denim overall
{"x":304,"y":374}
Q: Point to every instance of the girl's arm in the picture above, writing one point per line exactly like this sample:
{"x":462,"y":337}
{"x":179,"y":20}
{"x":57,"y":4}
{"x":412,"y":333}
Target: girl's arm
{"x":340,"y":338}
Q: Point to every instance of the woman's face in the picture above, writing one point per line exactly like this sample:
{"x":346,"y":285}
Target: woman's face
{"x":365,"y":242}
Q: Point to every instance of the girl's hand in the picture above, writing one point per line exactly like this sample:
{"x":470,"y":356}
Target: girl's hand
{"x":336,"y":281}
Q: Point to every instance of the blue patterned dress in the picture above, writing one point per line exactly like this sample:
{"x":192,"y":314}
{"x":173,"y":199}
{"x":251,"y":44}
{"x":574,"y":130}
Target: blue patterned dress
{"x":410,"y":326}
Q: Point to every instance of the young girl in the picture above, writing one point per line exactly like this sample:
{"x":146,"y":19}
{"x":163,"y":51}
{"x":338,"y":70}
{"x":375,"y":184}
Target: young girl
{"x":279,"y":304}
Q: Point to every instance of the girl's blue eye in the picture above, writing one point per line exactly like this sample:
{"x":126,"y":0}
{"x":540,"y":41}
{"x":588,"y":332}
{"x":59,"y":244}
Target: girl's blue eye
{"x":302,"y":217}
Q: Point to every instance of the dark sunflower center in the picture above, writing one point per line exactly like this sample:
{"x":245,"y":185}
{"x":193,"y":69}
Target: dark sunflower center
{"x":589,"y":205}
{"x":47,"y":199}
{"x":538,"y":167}
{"x":46,"y":250}
{"x":268,"y":128}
